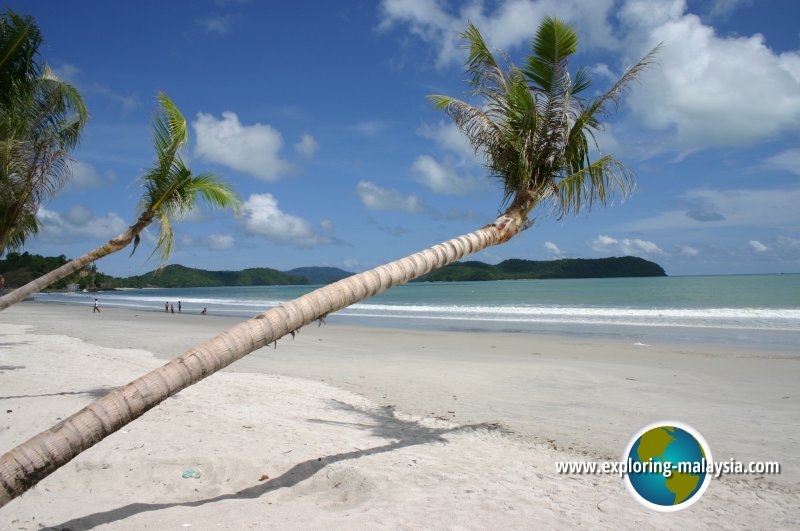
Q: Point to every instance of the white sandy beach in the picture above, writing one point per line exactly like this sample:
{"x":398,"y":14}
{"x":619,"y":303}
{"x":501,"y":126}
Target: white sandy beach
{"x":397,"y":429}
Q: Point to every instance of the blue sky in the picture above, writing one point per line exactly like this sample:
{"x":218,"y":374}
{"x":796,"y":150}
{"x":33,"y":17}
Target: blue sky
{"x":316,"y":112}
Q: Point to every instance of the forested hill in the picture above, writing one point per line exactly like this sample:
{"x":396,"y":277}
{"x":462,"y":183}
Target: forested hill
{"x":20,"y":269}
{"x":514,"y":269}
{"x":178,"y":276}
{"x":319,"y":275}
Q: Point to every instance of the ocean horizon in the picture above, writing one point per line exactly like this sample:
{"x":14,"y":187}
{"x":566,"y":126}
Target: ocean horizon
{"x":747,"y":309}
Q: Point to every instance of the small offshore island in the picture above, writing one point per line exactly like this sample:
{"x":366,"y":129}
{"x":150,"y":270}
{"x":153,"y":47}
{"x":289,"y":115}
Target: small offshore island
{"x":18,"y":269}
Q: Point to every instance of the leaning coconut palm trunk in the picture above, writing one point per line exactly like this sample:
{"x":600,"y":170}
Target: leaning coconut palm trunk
{"x":170,"y":190}
{"x":73,"y":266}
{"x":533,"y":132}
{"x":26,"y":465}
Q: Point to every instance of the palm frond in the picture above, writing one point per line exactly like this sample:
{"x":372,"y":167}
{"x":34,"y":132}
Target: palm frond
{"x":20,"y":39}
{"x":166,"y":239}
{"x":27,"y":224}
{"x":599,"y":106}
{"x":554,"y":42}
{"x":481,"y":131}
{"x":214,"y":191}
{"x":170,"y":133}
{"x":600,"y":181}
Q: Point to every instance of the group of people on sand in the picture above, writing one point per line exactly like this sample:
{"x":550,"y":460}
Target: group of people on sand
{"x":170,"y":308}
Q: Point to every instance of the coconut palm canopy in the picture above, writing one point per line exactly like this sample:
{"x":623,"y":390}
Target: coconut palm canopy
{"x":536,"y":127}
{"x":170,"y":190}
{"x":41,"y":119}
{"x":506,"y":130}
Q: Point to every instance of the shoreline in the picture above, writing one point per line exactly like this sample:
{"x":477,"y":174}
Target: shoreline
{"x":551,"y":396}
{"x":730,"y":337}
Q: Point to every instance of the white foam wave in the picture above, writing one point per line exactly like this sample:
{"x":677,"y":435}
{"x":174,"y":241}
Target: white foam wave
{"x":735,"y":318}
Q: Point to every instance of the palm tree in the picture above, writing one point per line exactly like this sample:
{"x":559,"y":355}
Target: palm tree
{"x":534,"y":131}
{"x":170,"y":191}
{"x":41,"y":119}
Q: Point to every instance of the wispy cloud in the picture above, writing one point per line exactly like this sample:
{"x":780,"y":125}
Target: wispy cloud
{"x":78,"y":223}
{"x":374,"y":197}
{"x":216,"y":24}
{"x":441,"y":178}
{"x":788,"y":160}
{"x":628,"y":246}
{"x":85,"y":175}
{"x":553,"y":249}
{"x":307,"y":146}
{"x":72,"y":74}
{"x":727,"y":208}
{"x":370,"y":128}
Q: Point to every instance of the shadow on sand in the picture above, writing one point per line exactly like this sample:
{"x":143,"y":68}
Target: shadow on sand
{"x":381,"y":423}
{"x":97,"y":392}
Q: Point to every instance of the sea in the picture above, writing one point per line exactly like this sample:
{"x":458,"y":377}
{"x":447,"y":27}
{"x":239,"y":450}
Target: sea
{"x":761,"y":310}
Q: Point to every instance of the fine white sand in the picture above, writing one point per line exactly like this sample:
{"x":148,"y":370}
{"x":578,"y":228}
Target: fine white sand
{"x":371,"y":428}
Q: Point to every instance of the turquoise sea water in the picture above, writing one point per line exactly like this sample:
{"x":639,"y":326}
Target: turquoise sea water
{"x":721,"y":308}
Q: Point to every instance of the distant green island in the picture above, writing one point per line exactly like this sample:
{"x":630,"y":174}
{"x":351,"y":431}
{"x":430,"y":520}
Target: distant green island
{"x":516,"y":269}
{"x":19,"y":269}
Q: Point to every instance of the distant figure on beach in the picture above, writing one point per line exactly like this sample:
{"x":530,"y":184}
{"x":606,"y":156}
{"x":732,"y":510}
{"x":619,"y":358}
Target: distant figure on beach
{"x":179,"y":306}
{"x":171,"y":308}
{"x":96,"y":308}
{"x":204,"y":311}
{"x":166,"y":306}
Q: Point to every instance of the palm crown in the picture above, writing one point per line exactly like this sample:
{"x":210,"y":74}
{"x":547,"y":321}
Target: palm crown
{"x":41,"y":118}
{"x":535,"y":125}
{"x":170,"y":188}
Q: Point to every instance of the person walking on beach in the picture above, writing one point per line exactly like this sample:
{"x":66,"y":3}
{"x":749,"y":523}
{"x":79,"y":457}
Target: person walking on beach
{"x":171,"y":308}
{"x":96,"y":308}
{"x":204,"y":311}
{"x":166,"y":306}
{"x":179,"y":306}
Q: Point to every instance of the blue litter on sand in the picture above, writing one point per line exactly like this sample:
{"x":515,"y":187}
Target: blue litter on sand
{"x":191,"y":473}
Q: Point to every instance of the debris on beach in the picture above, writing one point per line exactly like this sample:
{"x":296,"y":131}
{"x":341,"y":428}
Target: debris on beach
{"x":191,"y":473}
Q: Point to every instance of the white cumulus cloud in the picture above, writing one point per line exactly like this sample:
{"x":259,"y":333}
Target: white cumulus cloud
{"x":757,"y":246}
{"x":251,"y":149}
{"x":261,"y":216}
{"x":709,"y":90}
{"x":307,"y":146}
{"x":374,"y":197}
{"x":506,"y":24}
